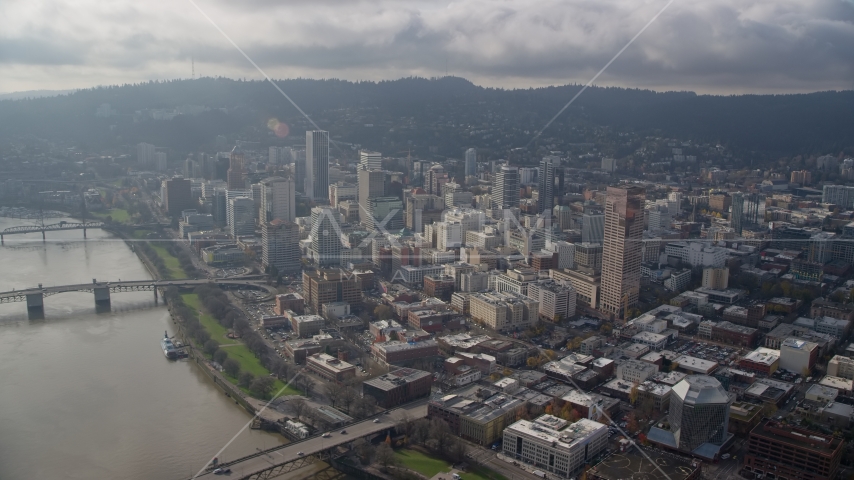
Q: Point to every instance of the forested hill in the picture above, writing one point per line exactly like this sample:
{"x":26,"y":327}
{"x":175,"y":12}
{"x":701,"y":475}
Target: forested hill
{"x":772,"y":124}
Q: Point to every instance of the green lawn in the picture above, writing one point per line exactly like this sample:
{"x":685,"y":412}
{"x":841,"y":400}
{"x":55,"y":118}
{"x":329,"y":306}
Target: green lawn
{"x":207,"y":320}
{"x":247,"y":360}
{"x":429,"y":465}
{"x":119,"y":215}
{"x":422,"y":463}
{"x":141,"y":233}
{"x":171,"y":262}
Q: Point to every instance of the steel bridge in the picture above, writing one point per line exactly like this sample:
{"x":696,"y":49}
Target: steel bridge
{"x":54,"y":227}
{"x":102,"y":290}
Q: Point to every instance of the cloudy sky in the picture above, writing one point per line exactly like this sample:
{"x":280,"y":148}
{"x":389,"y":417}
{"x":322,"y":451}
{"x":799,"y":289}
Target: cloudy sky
{"x":710,"y":46}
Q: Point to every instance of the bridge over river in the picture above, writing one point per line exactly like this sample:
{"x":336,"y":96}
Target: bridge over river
{"x":280,"y":460}
{"x":54,"y":227}
{"x":102,"y":290}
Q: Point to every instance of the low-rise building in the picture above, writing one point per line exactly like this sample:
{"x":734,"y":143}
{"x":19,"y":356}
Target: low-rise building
{"x":743,"y":417}
{"x":330,"y":368}
{"x":481,"y":422}
{"x":693,"y":365}
{"x":792,"y":452}
{"x":843,"y":385}
{"x":560,"y":452}
{"x":395,"y":352}
{"x":655,"y":341}
{"x":840,"y":366}
{"x":762,"y":360}
{"x":305,"y":326}
{"x":820,"y":393}
{"x":798,"y":356}
{"x":635,"y":371}
{"x":399,"y":386}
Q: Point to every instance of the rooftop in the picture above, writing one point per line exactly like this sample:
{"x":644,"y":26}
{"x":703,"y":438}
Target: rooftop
{"x":800,"y":438}
{"x":763,"y":356}
{"x":701,"y":389}
{"x":648,"y":465}
{"x":570,"y":438}
{"x":695,"y":364}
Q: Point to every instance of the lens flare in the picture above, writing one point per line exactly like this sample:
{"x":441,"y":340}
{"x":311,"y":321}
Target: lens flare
{"x":279,"y":128}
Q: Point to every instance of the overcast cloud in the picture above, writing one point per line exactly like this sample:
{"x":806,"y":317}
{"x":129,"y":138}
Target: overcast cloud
{"x":716,"y":46}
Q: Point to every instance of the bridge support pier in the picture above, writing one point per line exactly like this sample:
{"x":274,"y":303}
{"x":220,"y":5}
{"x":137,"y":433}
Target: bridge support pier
{"x":102,"y":296}
{"x":35,"y":301}
{"x":1,"y":240}
{"x":44,"y":237}
{"x":155,"y":295}
{"x":84,"y":233}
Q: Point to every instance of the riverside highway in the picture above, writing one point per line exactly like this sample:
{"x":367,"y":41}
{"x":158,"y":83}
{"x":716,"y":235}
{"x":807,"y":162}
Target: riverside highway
{"x":283,"y":454}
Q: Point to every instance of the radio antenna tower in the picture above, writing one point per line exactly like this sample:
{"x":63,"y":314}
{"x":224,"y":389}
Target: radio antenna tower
{"x":193,"y":67}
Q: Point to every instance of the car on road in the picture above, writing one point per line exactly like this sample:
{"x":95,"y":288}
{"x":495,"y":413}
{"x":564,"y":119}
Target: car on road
{"x":376,"y":420}
{"x":343,"y":432}
{"x":300,"y":453}
{"x":326,"y":435}
{"x":725,"y":456}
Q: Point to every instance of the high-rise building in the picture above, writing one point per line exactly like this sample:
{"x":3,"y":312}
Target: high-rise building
{"x":278,"y":199}
{"x":699,"y":417}
{"x":317,"y":165}
{"x":471,"y":162}
{"x":279,"y":156}
{"x":298,"y":156}
{"x":237,"y":169}
{"x":423,"y":209}
{"x":371,"y":185}
{"x":736,"y":216}
{"x":341,"y":191}
{"x":545,"y":202}
{"x":241,"y":216}
{"x":716,"y":278}
{"x":592,"y":228}
{"x":434,"y":178}
{"x":505,"y":191}
{"x":145,"y":154}
{"x":623,"y":249}
{"x":176,"y":195}
{"x":563,"y":215}
{"x":369,"y":160}
{"x":325,"y":237}
{"x":280,"y":246}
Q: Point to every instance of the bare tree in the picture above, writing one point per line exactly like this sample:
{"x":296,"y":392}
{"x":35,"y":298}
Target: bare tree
{"x":347,"y":396}
{"x":385,"y":455}
{"x":298,"y":407}
{"x":333,"y":392}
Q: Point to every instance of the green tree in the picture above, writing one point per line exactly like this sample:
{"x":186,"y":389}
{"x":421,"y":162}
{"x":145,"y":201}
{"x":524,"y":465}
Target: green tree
{"x":220,"y":356}
{"x":211,"y":346}
{"x":383,"y":312}
{"x":245,"y":379}
{"x":231,"y":367}
{"x":261,"y":386}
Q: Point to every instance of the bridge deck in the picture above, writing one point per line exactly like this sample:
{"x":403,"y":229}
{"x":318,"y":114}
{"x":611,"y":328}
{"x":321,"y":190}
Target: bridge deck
{"x":283,"y":454}
{"x":124,"y":286}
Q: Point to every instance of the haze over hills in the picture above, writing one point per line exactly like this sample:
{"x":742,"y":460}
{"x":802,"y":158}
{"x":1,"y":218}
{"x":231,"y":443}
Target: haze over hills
{"x":367,"y":113}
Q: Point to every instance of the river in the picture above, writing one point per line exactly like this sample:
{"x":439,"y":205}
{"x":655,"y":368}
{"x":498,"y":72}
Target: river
{"x":87,"y":395}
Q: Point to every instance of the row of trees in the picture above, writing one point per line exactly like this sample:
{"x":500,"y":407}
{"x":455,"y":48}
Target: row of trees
{"x":348,"y":398}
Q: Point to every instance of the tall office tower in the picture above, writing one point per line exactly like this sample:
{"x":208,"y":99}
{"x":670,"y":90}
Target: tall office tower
{"x":386,"y":212}
{"x":563,"y":214}
{"x":145,"y":154}
{"x":160,"y":161}
{"x":237,"y":169}
{"x":622,"y":251}
{"x":190,"y":168}
{"x":471,"y":162}
{"x":699,"y":412}
{"x":505,"y":190}
{"x":298,"y":157}
{"x":592,"y":227}
{"x":547,"y":185}
{"x":241,"y":216}
{"x":219,"y":207}
{"x":280,"y":246}
{"x":317,"y":165}
{"x":278,"y":199}
{"x":736,"y":216}
{"x":369,"y":160}
{"x":434,"y":178}
{"x":325,"y":240}
{"x":176,"y":195}
{"x":371,"y":185}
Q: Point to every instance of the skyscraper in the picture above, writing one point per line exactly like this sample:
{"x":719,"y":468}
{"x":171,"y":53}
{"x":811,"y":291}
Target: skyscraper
{"x":369,"y":160}
{"x":241,"y":216}
{"x":622,"y":252}
{"x":505,"y":191}
{"x":278,"y":199}
{"x":382,"y":207}
{"x":176,"y":195}
{"x":736,"y":216}
{"x":325,"y":237}
{"x":471,"y":162}
{"x":280,"y":246}
{"x":298,"y":155}
{"x":237,"y":169}
{"x":547,"y":186}
{"x":371,"y":185}
{"x":317,"y":165}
